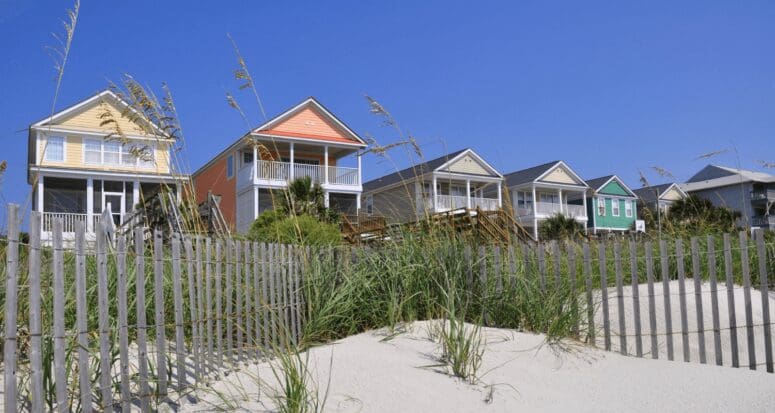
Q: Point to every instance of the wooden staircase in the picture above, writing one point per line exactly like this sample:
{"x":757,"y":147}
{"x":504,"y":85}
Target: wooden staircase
{"x":362,"y":228}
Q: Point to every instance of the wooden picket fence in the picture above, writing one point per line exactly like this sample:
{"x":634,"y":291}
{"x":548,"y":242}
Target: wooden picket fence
{"x":243,"y":300}
{"x":221,"y":303}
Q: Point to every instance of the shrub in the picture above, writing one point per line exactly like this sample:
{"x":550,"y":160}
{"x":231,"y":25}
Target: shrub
{"x":560,"y":227}
{"x":274,"y":226}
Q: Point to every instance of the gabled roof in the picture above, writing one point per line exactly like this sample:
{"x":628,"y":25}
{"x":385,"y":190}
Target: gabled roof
{"x":437,"y":164}
{"x":650,"y":193}
{"x":714,"y":176}
{"x":597,"y":184}
{"x":106,"y":94}
{"x":535,"y":173}
{"x":269,"y":127}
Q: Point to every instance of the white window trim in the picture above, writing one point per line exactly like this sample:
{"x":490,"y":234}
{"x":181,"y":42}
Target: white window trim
{"x":628,"y":208}
{"x":615,"y":212}
{"x":138,"y":164}
{"x":64,"y":149}
{"x":601,"y":201}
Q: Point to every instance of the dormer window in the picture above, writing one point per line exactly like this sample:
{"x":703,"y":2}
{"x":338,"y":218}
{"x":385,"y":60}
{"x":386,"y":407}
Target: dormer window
{"x":55,"y":149}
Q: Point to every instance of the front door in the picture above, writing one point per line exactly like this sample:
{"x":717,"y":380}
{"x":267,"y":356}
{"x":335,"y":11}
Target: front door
{"x":114,"y":200}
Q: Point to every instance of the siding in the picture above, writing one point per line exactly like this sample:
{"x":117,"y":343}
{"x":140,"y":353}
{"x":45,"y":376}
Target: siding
{"x":309,"y":122}
{"x":560,"y":175}
{"x":397,"y":204}
{"x":468,"y":165}
{"x":213,"y":178}
{"x":736,"y":197}
{"x":74,"y":158}
{"x":622,"y":222}
{"x":613,"y":188}
{"x":89,"y":119}
{"x":672,"y":195}
{"x":244,"y":210}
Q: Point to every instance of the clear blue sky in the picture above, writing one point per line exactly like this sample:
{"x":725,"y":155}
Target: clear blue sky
{"x":608,"y":87}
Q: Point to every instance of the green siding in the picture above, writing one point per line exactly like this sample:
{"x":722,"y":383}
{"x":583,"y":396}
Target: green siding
{"x":614,"y":188}
{"x":622,"y":222}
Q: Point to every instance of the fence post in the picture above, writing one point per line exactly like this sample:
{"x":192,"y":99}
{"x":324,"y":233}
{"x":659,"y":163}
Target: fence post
{"x":292,"y":293}
{"x":218,"y":314}
{"x":620,"y":298}
{"x":273,"y":319}
{"x":59,"y":318}
{"x":247,"y":293}
{"x":209,"y":302}
{"x":142,"y":325}
{"x":80,"y":314}
{"x":697,"y":276}
{"x":158,"y":294}
{"x":11,"y":292}
{"x":573,"y":285}
{"x":102,"y":312}
{"x":177,"y":297}
{"x":652,"y":300}
{"x":200,"y":316}
{"x":665,"y":267}
{"x":635,"y":297}
{"x":123,"y":324}
{"x":679,"y":256}
{"x":747,"y":299}
{"x":602,"y":263}
{"x":192,"y":306}
{"x":541,"y":265}
{"x":764,"y":288}
{"x":229,"y":315}
{"x":557,"y":265}
{"x":265,"y":314}
{"x":590,"y":306}
{"x":238,"y":298}
{"x":730,"y":283}
{"x":36,"y":358}
{"x":714,"y":300}
{"x":483,"y":283}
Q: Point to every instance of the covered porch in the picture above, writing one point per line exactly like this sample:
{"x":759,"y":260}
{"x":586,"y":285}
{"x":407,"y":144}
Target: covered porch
{"x":448,"y":192}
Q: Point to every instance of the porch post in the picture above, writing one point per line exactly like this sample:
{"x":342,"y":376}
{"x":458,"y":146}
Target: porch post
{"x":255,"y":164}
{"x":586,"y":222}
{"x":40,"y":193}
{"x":89,"y":205}
{"x":559,"y":192}
{"x":325,"y":199}
{"x":468,"y":193}
{"x":178,"y":190}
{"x":292,"y":172}
{"x":535,"y":215}
{"x":325,"y":163}
{"x":357,"y":203}
{"x":359,"y":169}
{"x":255,"y":201}
{"x":500,"y":195}
{"x":135,"y":194}
{"x":435,"y":206}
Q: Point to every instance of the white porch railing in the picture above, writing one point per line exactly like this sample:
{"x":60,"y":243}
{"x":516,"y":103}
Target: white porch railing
{"x":575,"y":211}
{"x":448,"y":202}
{"x":486,"y":204}
{"x":68,"y":220}
{"x":550,"y":208}
{"x":280,"y":172}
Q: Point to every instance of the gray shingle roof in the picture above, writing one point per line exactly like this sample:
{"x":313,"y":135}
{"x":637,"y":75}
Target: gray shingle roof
{"x":597,"y":182}
{"x":410,"y":172}
{"x":649,"y":193}
{"x":528,"y":175}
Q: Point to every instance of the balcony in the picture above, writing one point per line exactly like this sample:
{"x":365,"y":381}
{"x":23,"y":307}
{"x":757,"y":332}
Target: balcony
{"x":450,"y":202}
{"x":279,"y":173}
{"x":547,"y":209}
{"x":69,"y":220}
{"x":767,"y":221}
{"x":763,"y":195}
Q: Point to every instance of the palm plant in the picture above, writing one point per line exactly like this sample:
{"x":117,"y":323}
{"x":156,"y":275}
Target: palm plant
{"x":699,"y":215}
{"x":560,"y":227}
{"x":303,"y":198}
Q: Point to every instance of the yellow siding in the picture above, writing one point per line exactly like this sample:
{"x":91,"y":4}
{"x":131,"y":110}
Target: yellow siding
{"x":672,"y":195}
{"x":90,"y":119}
{"x":74,"y":158}
{"x":468,"y":165}
{"x":560,"y":175}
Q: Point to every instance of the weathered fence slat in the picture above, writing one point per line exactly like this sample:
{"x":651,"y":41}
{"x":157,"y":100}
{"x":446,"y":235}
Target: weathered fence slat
{"x":84,"y":383}
{"x":730,"y":283}
{"x":541,"y":255}
{"x":590,"y":304}
{"x":652,"y":300}
{"x":218,"y":312}
{"x":257,"y":299}
{"x":123,"y":323}
{"x":679,"y":257}
{"x":557,"y":267}
{"x":572,"y":278}
{"x":238,"y":292}
{"x":513,"y":269}
{"x":177,"y":298}
{"x":209,"y":303}
{"x":142,"y":326}
{"x":620,"y":298}
{"x":292,"y":293}
{"x":58,"y":264}
{"x":714,"y":300}
{"x":35,"y":324}
{"x":496,"y":263}
{"x":764,"y":288}
{"x":469,"y":268}
{"x":665,"y":267}
{"x":483,"y":283}
{"x":284,"y":253}
{"x":248,"y":290}
{"x":11,"y":308}
{"x":103,"y":321}
{"x":273,"y":316}
{"x":229,"y":298}
{"x":158,"y":294}
{"x":747,"y":299}
{"x":635,"y":285}
{"x":192,"y":307}
{"x":265,"y":311}
{"x":604,"y":295}
{"x":697,"y":277}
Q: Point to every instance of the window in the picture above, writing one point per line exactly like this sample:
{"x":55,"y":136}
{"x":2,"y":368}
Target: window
{"x":55,"y":149}
{"x":247,"y":157}
{"x":370,"y":204}
{"x":524,"y":200}
{"x":92,"y":151}
{"x":147,"y":156}
{"x":230,"y":166}
{"x":127,"y":157}
{"x":615,"y":207}
{"x":111,"y":153}
{"x":628,"y":208}
{"x":601,"y":207}
{"x":549,"y":197}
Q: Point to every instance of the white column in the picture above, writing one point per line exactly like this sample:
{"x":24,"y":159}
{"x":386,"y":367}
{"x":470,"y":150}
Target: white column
{"x":292,"y":172}
{"x":325,"y":163}
{"x":135,"y":194}
{"x":535,"y":215}
{"x":500,"y":195}
{"x":559,"y":192}
{"x":435,"y":206}
{"x":586,"y":222}
{"x":255,"y":201}
{"x":179,"y":191}
{"x":359,"y":169}
{"x":255,"y":166}
{"x":358,"y":203}
{"x":468,"y":193}
{"x":40,"y":193}
{"x":325,"y":199}
{"x":89,"y":205}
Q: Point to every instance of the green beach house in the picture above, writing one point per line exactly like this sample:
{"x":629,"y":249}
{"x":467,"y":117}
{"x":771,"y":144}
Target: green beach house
{"x":611,"y":205}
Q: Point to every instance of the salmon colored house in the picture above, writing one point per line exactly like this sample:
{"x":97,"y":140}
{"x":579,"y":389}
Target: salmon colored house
{"x":305,"y":140}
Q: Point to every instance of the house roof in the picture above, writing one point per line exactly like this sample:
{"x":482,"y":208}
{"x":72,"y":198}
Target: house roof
{"x":650,"y":193}
{"x":715,"y":176}
{"x":535,"y":173}
{"x":411,"y":172}
{"x":599,"y":183}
